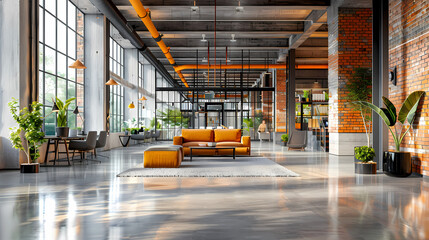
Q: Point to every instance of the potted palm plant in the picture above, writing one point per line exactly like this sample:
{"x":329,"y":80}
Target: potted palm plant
{"x":359,"y":90}
{"x":62,"y":108}
{"x":397,"y":163}
{"x":28,"y":136}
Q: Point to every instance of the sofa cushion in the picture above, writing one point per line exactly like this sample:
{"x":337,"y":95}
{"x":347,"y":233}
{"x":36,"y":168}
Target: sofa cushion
{"x":229,"y":144}
{"x":227,"y":135}
{"x":197,"y":135}
{"x":194,"y":144}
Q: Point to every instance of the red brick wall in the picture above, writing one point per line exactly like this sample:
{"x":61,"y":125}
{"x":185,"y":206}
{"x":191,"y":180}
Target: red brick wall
{"x":349,"y":47}
{"x":409,"y":52}
{"x":280,"y":98}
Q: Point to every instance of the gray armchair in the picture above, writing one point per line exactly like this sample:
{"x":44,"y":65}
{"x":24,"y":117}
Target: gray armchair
{"x":297,"y":140}
{"x":101,"y":142}
{"x":83,"y":146}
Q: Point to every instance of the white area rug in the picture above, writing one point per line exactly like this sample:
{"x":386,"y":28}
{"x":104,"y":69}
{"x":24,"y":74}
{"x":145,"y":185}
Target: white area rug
{"x":215,"y":167}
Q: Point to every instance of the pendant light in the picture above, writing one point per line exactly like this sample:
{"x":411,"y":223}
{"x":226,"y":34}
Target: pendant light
{"x":112,"y":82}
{"x":77,"y":65}
{"x":131,"y":105}
{"x":143,"y":98}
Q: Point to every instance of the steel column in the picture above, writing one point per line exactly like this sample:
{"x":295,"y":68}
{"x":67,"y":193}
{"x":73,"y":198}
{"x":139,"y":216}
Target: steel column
{"x":291,"y":92}
{"x":380,"y":71}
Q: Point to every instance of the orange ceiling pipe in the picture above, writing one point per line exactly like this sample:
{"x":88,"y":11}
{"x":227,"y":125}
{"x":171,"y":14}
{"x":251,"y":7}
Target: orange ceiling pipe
{"x":144,"y":16}
{"x":247,"y":66}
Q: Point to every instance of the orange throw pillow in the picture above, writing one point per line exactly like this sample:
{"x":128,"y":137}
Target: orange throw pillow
{"x":227,"y":135}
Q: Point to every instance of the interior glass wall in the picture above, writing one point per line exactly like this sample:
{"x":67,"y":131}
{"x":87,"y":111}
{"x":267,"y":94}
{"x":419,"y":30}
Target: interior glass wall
{"x":116,"y":63}
{"x":238,"y":110}
{"x":61,"y":42}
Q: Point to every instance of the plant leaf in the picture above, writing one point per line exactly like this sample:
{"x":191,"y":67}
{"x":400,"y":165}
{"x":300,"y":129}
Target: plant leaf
{"x":409,"y":107}
{"x":390,"y":108}
{"x":379,"y":111}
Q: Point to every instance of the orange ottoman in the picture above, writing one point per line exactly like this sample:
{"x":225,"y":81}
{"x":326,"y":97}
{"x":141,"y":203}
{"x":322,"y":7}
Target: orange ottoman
{"x":163,"y":156}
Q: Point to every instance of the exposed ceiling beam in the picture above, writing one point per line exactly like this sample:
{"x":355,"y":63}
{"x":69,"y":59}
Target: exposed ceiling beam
{"x":237,"y":26}
{"x":298,"y":4}
{"x":309,"y":28}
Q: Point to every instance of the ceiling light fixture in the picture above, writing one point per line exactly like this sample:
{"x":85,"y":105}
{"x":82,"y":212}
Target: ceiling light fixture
{"x":316,"y":82}
{"x":204,"y":60}
{"x":112,"y":82}
{"x":204,"y":38}
{"x":233,"y":38}
{"x":239,"y":9}
{"x":195,"y":7}
{"x":77,"y":65}
{"x":131,"y":105}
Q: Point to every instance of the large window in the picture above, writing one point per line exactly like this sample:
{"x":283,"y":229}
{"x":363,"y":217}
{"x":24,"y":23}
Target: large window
{"x":146,"y":81}
{"x":61,"y":32}
{"x":116,"y":91}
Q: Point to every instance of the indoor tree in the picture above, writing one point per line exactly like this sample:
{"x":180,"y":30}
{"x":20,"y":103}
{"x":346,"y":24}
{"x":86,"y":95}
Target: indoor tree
{"x":28,"y":136}
{"x":359,"y":90}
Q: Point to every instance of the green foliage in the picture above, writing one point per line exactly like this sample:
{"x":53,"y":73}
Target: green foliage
{"x":173,"y":118}
{"x":359,"y":90}
{"x":406,"y":113}
{"x":152,"y":124}
{"x":134,"y":130}
{"x":326,"y":96}
{"x":285,"y":137}
{"x":247,"y":124}
{"x":306,"y":94}
{"x":364,"y":153}
{"x":28,"y":136}
{"x":62,"y":113}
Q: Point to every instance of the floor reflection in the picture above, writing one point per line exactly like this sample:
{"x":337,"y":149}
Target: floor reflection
{"x":328,"y":201}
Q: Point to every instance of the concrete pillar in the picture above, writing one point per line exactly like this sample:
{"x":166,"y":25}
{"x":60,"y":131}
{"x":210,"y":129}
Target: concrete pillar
{"x":349,"y":47}
{"x":95,"y":88}
{"x":19,"y":68}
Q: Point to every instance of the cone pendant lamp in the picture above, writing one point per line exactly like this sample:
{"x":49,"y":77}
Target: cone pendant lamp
{"x":131,"y":105}
{"x":112,"y":82}
{"x":78,"y":65}
{"x":143,"y":98}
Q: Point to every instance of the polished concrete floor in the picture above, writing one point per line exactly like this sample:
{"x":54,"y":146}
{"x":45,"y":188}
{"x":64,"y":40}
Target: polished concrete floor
{"x":328,"y":201}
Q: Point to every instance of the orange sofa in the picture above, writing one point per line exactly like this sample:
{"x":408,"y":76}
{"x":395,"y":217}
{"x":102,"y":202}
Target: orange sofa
{"x":222,"y":137}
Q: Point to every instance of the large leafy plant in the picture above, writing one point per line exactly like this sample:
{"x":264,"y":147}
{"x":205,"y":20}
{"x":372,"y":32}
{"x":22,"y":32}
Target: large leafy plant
{"x":247,"y":124}
{"x":390,"y":118}
{"x":359,"y":89}
{"x":62,"y":111}
{"x":28,"y":136}
{"x":285,"y":137}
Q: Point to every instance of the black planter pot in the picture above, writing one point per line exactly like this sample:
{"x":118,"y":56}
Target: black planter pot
{"x":62,"y":131}
{"x":365,"y":168}
{"x":284,"y":144}
{"x":397,"y":164}
{"x":29,"y":168}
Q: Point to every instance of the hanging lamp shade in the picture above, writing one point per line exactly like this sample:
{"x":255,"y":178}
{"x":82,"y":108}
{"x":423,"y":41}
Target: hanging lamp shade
{"x":76,"y":110}
{"x":55,"y":108}
{"x":131,"y":105}
{"x":78,"y":65}
{"x":143,"y":98}
{"x":112,"y":82}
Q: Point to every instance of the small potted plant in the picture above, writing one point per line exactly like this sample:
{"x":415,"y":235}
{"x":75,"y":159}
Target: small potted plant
{"x":364,"y":163}
{"x":397,"y":163}
{"x":62,"y":127}
{"x":285,"y":139}
{"x":359,"y":90}
{"x":28,"y":136}
{"x":306,"y":95}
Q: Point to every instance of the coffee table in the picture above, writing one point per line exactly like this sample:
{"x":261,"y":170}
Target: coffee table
{"x":211,"y":148}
